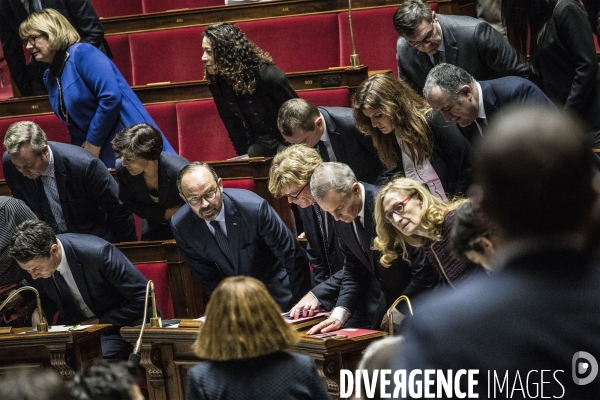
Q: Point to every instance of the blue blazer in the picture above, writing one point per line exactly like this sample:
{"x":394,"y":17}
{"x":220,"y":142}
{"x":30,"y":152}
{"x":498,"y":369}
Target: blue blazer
{"x":134,"y":194}
{"x":99,"y":101}
{"x":109,"y":284}
{"x":88,"y":194}
{"x":263,"y":247}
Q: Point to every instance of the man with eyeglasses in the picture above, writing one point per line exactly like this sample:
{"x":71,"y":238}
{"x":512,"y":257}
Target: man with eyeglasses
{"x":337,"y":191}
{"x":427,"y":39}
{"x":227,"y":232}
{"x":28,"y":76}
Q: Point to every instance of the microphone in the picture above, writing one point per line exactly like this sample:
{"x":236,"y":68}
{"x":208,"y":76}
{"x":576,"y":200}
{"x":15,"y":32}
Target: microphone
{"x":354,"y":61}
{"x":155,"y":322}
{"x":42,"y":326}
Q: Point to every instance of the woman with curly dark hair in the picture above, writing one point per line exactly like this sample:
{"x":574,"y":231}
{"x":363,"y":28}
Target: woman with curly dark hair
{"x":410,"y":138}
{"x":248,"y":89}
{"x":558,"y":37}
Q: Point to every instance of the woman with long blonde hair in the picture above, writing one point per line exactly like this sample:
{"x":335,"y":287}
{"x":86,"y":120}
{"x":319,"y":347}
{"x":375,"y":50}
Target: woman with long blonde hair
{"x":244,"y":341}
{"x":410,"y":138}
{"x":407,"y":214}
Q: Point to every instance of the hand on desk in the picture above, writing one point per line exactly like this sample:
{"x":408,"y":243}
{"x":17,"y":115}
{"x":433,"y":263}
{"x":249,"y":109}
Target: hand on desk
{"x":330,"y":324}
{"x":307,"y":305}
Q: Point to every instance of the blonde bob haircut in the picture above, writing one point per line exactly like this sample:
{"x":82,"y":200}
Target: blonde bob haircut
{"x":53,"y":25}
{"x":242,"y":321}
{"x":433,"y":212}
{"x":292,"y":166}
{"x":407,"y":111}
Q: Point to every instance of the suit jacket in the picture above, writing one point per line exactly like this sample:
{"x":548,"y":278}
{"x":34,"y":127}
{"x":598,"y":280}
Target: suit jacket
{"x":401,"y":278}
{"x":80,"y":14}
{"x":451,"y":158}
{"x":535,"y":313}
{"x":350,"y":146}
{"x":134,"y":194}
{"x":498,"y":93}
{"x":99,"y":101}
{"x":262,"y":247}
{"x":568,"y":62}
{"x":88,"y":194}
{"x":470,"y":44}
{"x":247,"y":116}
{"x":109,"y":284}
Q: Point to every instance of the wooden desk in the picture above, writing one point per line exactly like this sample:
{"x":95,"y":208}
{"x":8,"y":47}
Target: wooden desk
{"x":167,"y":356}
{"x":66,"y":352}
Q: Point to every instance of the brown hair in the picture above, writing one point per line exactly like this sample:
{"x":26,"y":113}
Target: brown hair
{"x":242,"y":321}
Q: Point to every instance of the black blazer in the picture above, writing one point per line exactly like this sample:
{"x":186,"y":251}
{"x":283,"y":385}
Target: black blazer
{"x":89,"y":196}
{"x":263,"y":247}
{"x":249,"y":116}
{"x":401,"y":278}
{"x":109,"y":284}
{"x":470,"y":44}
{"x":134,"y":194}
{"x":350,"y":146}
{"x":79,"y":13}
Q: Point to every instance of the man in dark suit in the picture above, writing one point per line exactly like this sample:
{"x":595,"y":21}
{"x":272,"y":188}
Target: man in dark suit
{"x":454,"y":93}
{"x":83,"y":278}
{"x":289,"y":177}
{"x":427,"y":39}
{"x":336,"y":189}
{"x":64,"y":185}
{"x":539,"y":313}
{"x":28,"y":77}
{"x":332,"y":131}
{"x":226,"y":232}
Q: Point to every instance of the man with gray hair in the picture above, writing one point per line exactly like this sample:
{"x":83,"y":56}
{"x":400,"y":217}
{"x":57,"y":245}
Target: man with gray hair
{"x":427,"y":39}
{"x":454,"y":93}
{"x":337,"y":191}
{"x":64,"y":185}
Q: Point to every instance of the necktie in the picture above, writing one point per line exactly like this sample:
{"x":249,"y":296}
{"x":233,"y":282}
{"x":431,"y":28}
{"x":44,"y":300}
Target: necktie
{"x":74,"y":314}
{"x":222,"y":240}
{"x":323,"y":235}
{"x":46,"y":210}
{"x":323,"y":151}
{"x":362,"y":236}
{"x":436,"y":58}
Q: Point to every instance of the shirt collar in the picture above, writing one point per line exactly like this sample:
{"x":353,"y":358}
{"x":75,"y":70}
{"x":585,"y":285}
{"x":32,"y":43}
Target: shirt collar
{"x":481,"y":108}
{"x":361,"y":214}
{"x":63,"y":266}
{"x":49,"y":172}
{"x":221,"y":216}
{"x":325,"y":135}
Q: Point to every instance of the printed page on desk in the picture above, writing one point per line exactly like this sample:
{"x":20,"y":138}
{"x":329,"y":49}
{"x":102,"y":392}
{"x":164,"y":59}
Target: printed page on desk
{"x":353,"y":332}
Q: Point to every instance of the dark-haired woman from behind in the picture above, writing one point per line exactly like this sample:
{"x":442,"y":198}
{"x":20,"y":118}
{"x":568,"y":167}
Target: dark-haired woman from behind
{"x":148,"y":179}
{"x":244,"y":341}
{"x":248,"y":89}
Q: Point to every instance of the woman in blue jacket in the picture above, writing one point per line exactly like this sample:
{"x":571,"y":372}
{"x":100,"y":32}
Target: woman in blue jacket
{"x":87,"y":91}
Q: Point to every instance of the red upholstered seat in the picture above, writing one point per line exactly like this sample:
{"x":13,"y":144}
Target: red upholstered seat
{"x":165,"y":117}
{"x":202,"y":135}
{"x":247,"y":184}
{"x":119,"y":46}
{"x":170,"y":55}
{"x":112,"y":8}
{"x":151,"y":6}
{"x":374,"y":37}
{"x":158,"y":273}
{"x":297,"y":43}
{"x":327,"y":97}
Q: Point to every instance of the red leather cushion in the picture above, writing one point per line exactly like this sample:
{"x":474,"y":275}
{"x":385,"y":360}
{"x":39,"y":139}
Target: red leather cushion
{"x":202,"y":135}
{"x":151,"y":6}
{"x":374,"y":37}
{"x":165,"y":117}
{"x":158,"y":273}
{"x":112,"y":8}
{"x":297,"y":43}
{"x":247,"y":184}
{"x":327,"y":97}
{"x":121,"y":50}
{"x":170,"y":55}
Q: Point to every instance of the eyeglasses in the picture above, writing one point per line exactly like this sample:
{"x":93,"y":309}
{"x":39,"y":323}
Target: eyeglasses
{"x":398,"y":210}
{"x":31,"y":40}
{"x":426,"y":40}
{"x":289,"y":196}
{"x":208,"y":196}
